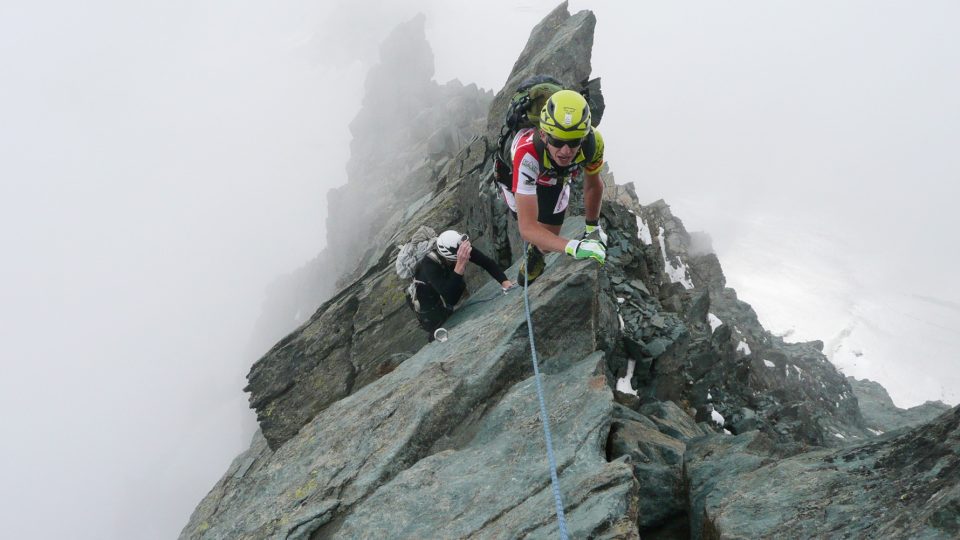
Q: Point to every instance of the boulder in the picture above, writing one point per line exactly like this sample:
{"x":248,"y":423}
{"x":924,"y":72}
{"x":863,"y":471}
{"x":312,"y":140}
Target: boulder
{"x":896,"y":487}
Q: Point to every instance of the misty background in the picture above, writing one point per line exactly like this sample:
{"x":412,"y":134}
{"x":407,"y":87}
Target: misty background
{"x":162,"y":165}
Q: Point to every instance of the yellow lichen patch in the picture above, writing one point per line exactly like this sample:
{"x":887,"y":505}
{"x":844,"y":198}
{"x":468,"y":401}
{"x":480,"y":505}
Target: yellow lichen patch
{"x":305,"y":490}
{"x":396,"y":295}
{"x":203,"y":527}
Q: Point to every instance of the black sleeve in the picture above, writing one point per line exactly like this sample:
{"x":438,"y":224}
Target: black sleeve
{"x":488,"y":264}
{"x":445,"y":281}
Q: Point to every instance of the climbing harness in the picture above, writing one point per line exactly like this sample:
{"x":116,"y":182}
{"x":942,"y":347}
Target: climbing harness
{"x":561,"y":520}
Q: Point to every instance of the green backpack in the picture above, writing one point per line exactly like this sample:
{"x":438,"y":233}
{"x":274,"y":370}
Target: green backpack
{"x":524,"y":112}
{"x":528,"y":101}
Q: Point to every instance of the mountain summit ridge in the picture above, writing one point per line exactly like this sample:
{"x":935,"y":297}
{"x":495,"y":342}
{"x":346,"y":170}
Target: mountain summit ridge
{"x":367,"y":430}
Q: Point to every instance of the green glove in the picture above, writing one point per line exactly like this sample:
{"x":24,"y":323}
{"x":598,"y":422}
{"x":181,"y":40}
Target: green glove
{"x":590,"y":229}
{"x":587,"y":249}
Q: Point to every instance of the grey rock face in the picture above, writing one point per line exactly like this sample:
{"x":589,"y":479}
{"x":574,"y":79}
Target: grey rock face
{"x":494,"y":485}
{"x":455,"y":424}
{"x":560,"y":46}
{"x":326,"y":359}
{"x":427,"y":124}
{"x":655,"y":447}
{"x":896,"y":487}
{"x":712,"y":459}
{"x":881,"y":415}
{"x":739,"y":375}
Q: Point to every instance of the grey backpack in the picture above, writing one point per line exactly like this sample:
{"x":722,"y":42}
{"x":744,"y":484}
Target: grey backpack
{"x":421,"y":245}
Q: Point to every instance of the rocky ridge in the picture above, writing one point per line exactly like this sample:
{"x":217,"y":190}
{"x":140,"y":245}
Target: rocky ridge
{"x":902,"y":486}
{"x":673,"y":409}
{"x":881,"y":415}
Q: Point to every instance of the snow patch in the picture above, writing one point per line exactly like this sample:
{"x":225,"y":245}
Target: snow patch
{"x":743,"y":347}
{"x":643,"y":232}
{"x":727,"y":431}
{"x":839,"y":436}
{"x":622,"y":324}
{"x":623,"y":383}
{"x":769,"y":363}
{"x":798,"y":370}
{"x":717,"y":417}
{"x":621,"y":300}
{"x":714,"y":321}
{"x":678,"y":271}
{"x":875,"y":432}
{"x":709,"y":397}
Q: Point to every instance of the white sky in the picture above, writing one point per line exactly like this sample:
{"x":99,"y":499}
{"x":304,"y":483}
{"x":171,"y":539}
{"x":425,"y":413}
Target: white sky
{"x":161,"y":163}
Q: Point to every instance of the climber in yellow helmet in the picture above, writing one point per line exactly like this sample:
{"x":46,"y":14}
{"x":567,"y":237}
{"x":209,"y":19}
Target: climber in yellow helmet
{"x":545,"y":162}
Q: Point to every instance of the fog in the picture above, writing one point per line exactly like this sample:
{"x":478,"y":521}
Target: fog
{"x":161,"y":165}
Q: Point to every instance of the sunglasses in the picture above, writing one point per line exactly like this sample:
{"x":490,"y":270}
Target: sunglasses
{"x":560,"y":143}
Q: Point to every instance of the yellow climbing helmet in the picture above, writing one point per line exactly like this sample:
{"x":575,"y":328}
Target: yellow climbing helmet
{"x":566,"y":116}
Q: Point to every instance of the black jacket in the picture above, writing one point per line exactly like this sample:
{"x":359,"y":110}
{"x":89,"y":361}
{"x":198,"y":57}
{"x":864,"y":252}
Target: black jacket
{"x":442,"y":288}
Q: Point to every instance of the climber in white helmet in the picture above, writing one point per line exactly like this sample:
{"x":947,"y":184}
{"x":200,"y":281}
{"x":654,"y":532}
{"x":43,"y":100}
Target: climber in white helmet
{"x":439,"y":278}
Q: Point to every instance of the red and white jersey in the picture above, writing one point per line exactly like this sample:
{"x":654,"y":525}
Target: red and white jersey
{"x":527,"y":172}
{"x":530,"y":170}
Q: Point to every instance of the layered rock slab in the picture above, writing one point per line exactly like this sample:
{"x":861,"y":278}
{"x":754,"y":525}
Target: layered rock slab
{"x":655,"y":444}
{"x":358,"y":445}
{"x":498,"y":485}
{"x":905,"y":486}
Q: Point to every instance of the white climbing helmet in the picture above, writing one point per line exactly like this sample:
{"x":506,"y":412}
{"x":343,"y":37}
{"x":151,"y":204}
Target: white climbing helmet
{"x":448,"y":242}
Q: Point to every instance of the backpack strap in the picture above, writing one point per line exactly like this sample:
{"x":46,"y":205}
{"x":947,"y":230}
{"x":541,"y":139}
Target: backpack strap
{"x":589,"y":147}
{"x":412,"y":288}
{"x":435,"y":257}
{"x":518,"y":116}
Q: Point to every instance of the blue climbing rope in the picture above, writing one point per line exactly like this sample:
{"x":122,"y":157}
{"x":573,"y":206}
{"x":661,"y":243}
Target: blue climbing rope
{"x":561,"y":520}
